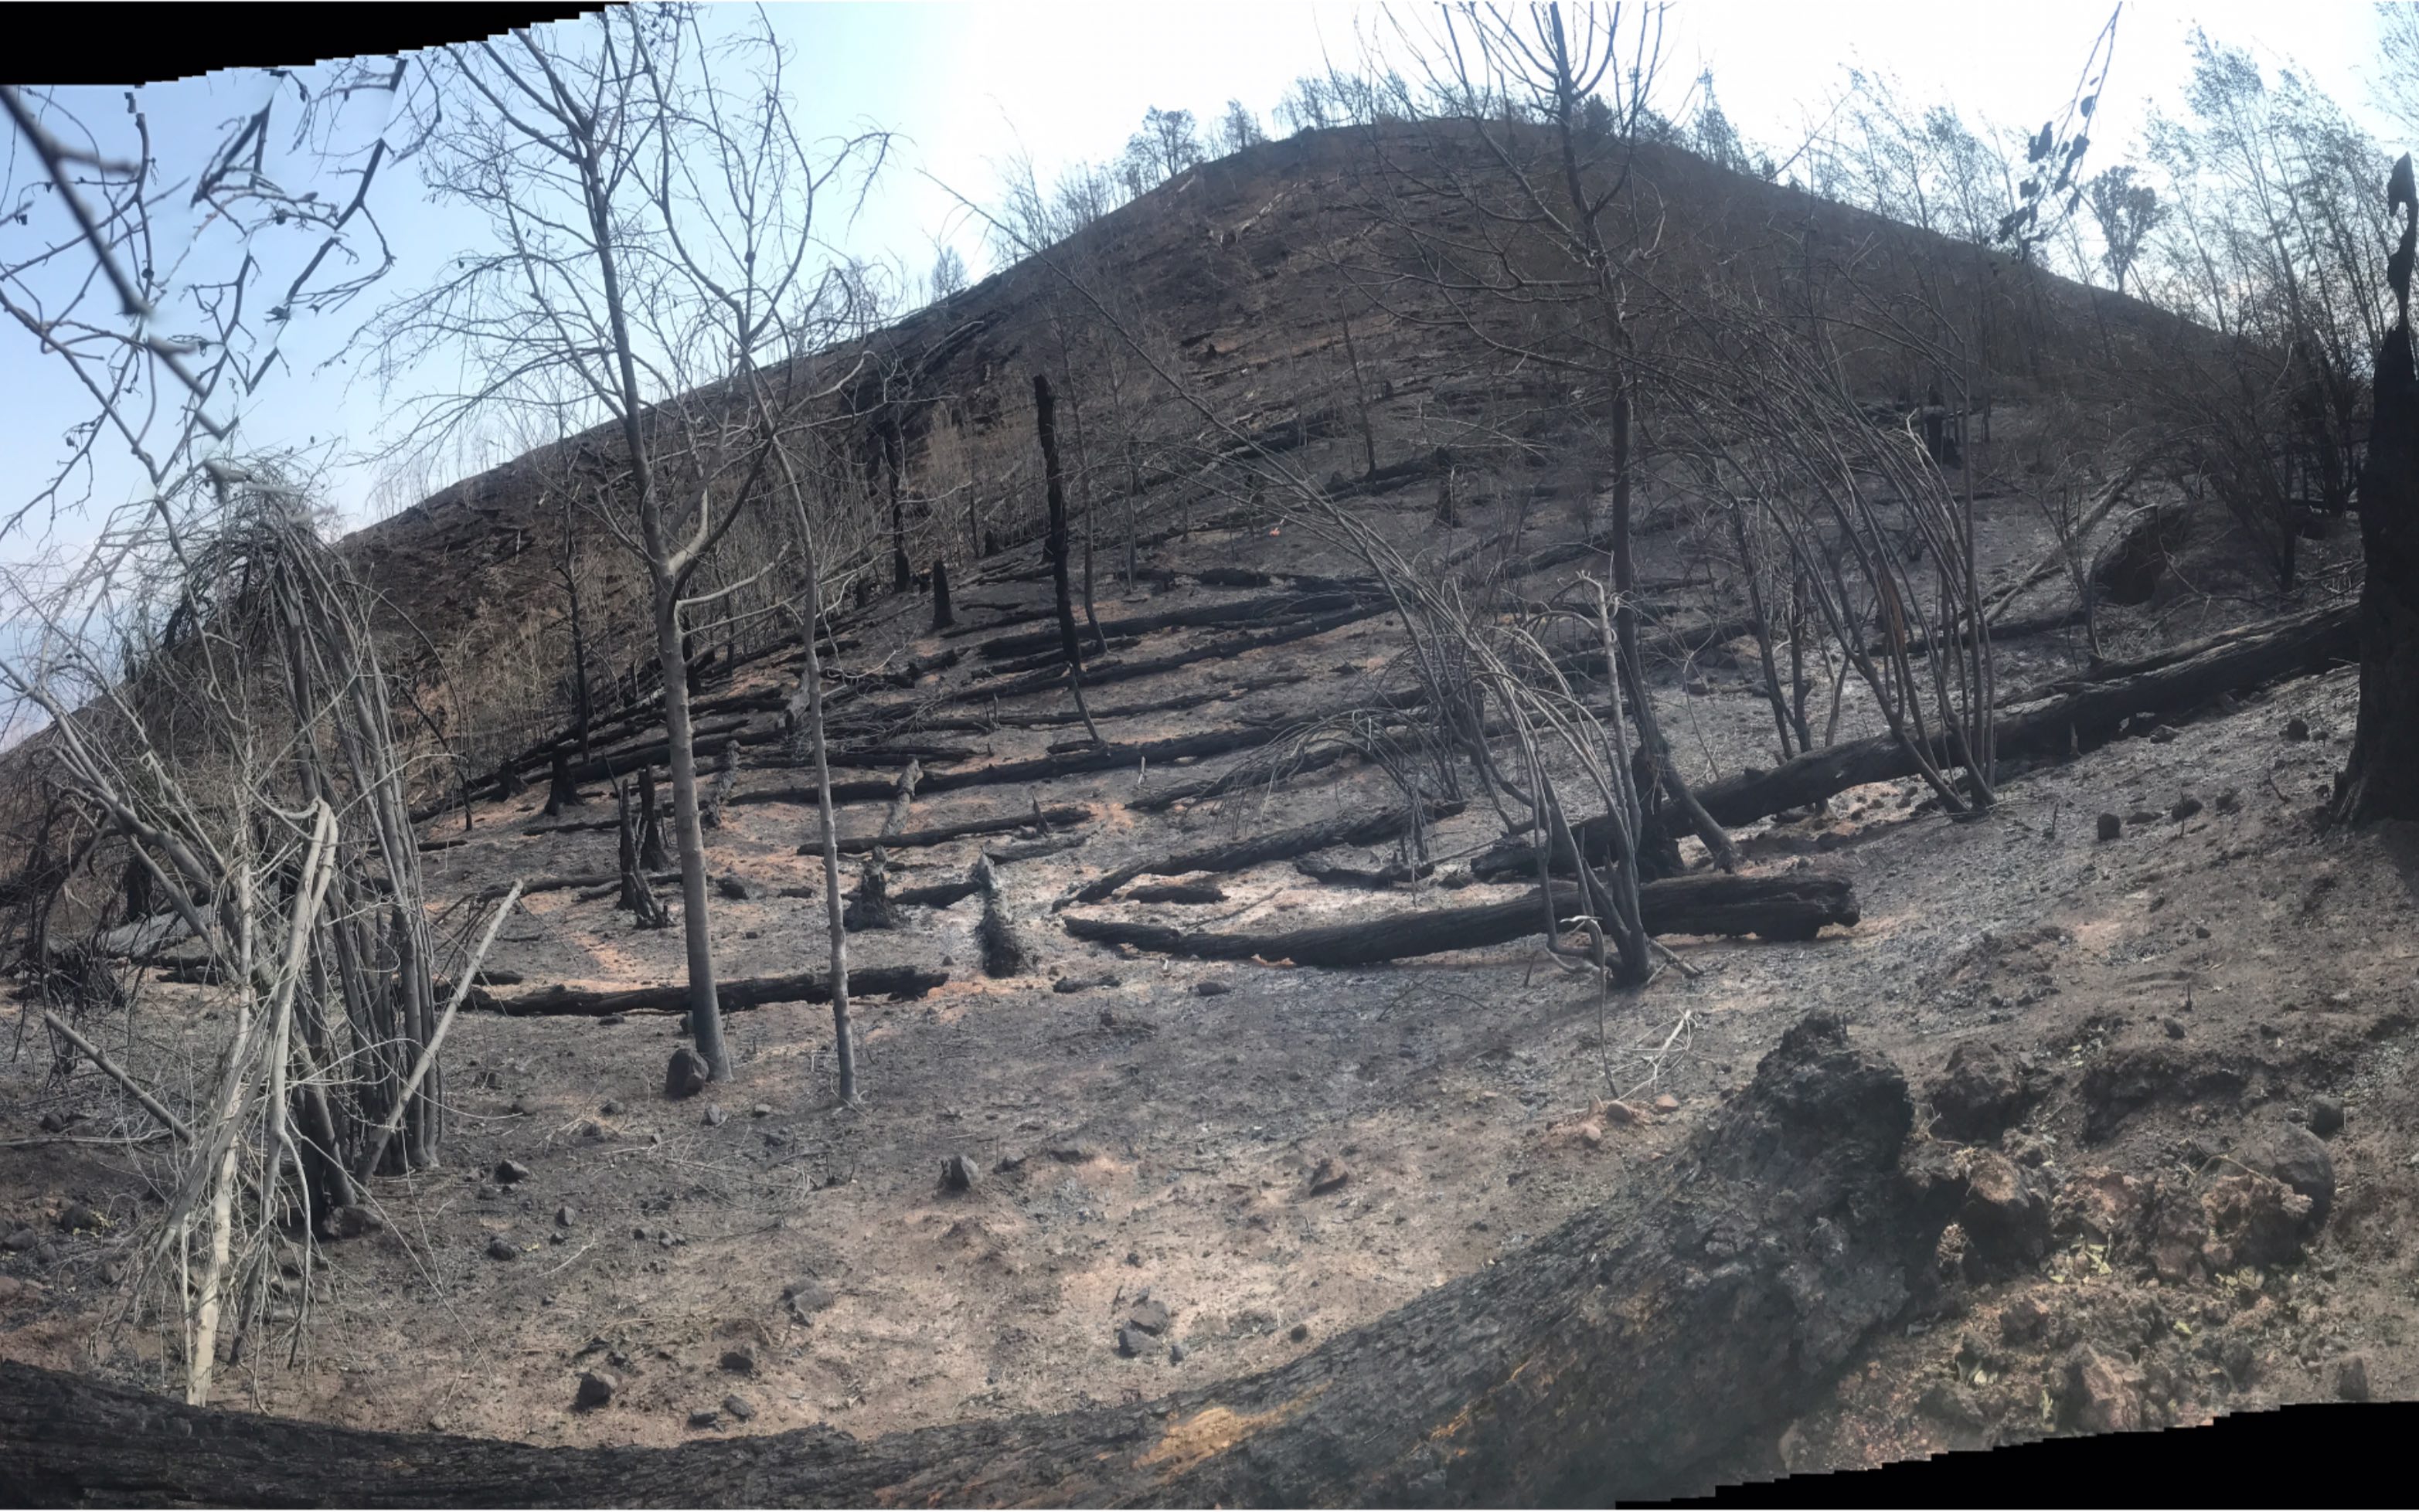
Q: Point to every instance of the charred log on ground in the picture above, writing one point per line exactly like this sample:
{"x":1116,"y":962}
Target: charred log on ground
{"x":1793,"y":906}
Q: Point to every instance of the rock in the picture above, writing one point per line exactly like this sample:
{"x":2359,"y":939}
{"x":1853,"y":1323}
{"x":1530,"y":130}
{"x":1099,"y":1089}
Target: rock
{"x":610,"y":1108}
{"x":56,"y":1122}
{"x":2326,"y":1114}
{"x":2230,"y":800}
{"x":956,"y":1174}
{"x":566,"y":1215}
{"x":2161,"y":735}
{"x":1210,"y":989}
{"x":2297,"y":729}
{"x":1133,"y":1341}
{"x":1298,"y":1332}
{"x":2021,"y":1320}
{"x":2006,"y":1221}
{"x":1952,"y":1404}
{"x":761,"y":1110}
{"x":2185,"y":809}
{"x":714,"y":1115}
{"x":686,"y":1076}
{"x":1667,"y":1104}
{"x":808,"y":1295}
{"x":501,"y":1248}
{"x":20,"y":1241}
{"x":2301,"y":1160}
{"x":509,"y":1171}
{"x":596,"y":1388}
{"x":1083,"y":984}
{"x":1328,"y":1175}
{"x":2111,"y":827}
{"x":2254,"y":1220}
{"x":76,"y":1215}
{"x":738,"y":1406}
{"x":739,"y":1362}
{"x":704,"y":1417}
{"x":1176,"y":1354}
{"x":1980,"y":1094}
{"x":735,"y":888}
{"x":1150,"y":1316}
{"x":2103,"y":1395}
{"x":2352,"y":1379}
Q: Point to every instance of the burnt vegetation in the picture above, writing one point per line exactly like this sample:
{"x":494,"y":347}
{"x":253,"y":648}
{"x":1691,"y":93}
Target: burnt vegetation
{"x":1589,"y":634}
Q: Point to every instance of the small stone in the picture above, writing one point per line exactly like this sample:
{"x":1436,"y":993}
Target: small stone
{"x":2297,"y":729}
{"x":566,"y":1215}
{"x":1133,"y":1341}
{"x":738,"y":1406}
{"x":509,"y":1171}
{"x":2300,"y":1159}
{"x":1667,"y":1104}
{"x":687,"y":1074}
{"x":2161,"y":735}
{"x":610,"y":1108}
{"x":2352,"y":1379}
{"x":704,"y":1417}
{"x":2230,"y":800}
{"x":714,"y":1115}
{"x":1298,"y":1332}
{"x":2105,"y":1395}
{"x":1176,"y":1354}
{"x":956,"y":1174}
{"x":739,"y":1362}
{"x":2111,"y":827}
{"x":1150,"y":1316}
{"x":501,"y":1248}
{"x":56,"y":1122}
{"x":761,"y":1110}
{"x":20,"y":1242}
{"x":596,"y":1388}
{"x":76,"y":1215}
{"x":734,"y":887}
{"x":1210,"y":989}
{"x":808,"y":1295}
{"x":351,"y":1223}
{"x":2006,"y":1219}
{"x":2185,"y":809}
{"x":2326,"y":1114}
{"x":2021,"y":1320}
{"x":1328,"y":1175}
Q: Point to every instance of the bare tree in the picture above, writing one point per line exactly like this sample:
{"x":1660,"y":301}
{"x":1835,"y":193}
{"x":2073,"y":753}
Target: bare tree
{"x":652,"y":238}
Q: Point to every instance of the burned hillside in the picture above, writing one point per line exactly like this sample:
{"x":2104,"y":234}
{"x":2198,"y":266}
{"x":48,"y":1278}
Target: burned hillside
{"x":1455,"y":811}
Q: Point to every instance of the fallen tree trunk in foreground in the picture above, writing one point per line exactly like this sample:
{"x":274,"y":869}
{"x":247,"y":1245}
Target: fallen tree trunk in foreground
{"x":2176,"y":680}
{"x":1792,"y":906}
{"x":1608,"y":1360}
{"x":746,"y":992}
{"x":1351,"y":829}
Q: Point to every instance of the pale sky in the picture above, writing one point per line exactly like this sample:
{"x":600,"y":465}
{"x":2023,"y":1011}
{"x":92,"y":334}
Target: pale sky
{"x":967,"y":81}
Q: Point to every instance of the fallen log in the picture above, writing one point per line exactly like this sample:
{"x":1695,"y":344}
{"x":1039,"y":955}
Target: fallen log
{"x":1060,"y":818}
{"x":1791,"y":906}
{"x":746,"y":992}
{"x":1619,"y":1357}
{"x":1231,"y":646}
{"x":2085,"y":717}
{"x":1240,"y":612}
{"x":1347,"y":830}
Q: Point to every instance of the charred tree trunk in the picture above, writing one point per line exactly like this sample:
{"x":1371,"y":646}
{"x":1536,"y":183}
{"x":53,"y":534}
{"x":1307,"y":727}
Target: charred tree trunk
{"x":1613,"y":1359}
{"x":1070,"y":643}
{"x":942,"y":618}
{"x":561,"y":792}
{"x":2381,"y":779}
{"x":651,"y":826}
{"x":895,"y":455}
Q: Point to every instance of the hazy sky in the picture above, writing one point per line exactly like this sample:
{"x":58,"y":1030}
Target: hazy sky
{"x":969,"y":83}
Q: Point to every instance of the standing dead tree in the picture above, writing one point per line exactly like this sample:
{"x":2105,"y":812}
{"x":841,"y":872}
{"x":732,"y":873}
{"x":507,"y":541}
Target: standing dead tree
{"x":650,"y":240}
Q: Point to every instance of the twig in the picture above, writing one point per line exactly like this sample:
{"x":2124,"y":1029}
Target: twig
{"x":150,"y":1105}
